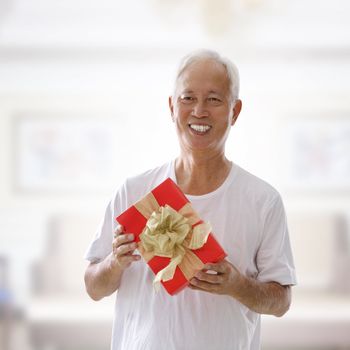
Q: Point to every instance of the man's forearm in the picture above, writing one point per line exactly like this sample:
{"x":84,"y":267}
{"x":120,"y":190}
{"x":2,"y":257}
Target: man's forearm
{"x":264,"y":298}
{"x":103,"y":278}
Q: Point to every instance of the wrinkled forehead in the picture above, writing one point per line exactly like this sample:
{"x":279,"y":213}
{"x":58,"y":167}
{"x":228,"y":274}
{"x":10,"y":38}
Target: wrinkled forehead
{"x":203,"y":74}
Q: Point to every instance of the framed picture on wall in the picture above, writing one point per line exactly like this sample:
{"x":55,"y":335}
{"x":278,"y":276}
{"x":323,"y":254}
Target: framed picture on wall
{"x":65,"y":153}
{"x":318,"y":154}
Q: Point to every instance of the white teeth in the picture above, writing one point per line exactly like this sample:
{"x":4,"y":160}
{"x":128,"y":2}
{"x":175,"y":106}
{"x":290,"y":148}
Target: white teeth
{"x":200,"y":128}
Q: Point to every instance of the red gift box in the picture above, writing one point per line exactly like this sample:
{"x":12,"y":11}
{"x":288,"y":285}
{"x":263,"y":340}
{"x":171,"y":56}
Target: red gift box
{"x":134,"y":220}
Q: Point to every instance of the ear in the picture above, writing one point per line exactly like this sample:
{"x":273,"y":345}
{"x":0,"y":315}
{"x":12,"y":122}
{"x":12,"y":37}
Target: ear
{"x":171,"y":107}
{"x":236,"y":111}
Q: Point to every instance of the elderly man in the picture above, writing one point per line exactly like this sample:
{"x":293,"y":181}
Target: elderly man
{"x":219,"y":310}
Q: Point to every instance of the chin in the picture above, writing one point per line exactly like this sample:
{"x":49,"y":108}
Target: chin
{"x":199,"y":147}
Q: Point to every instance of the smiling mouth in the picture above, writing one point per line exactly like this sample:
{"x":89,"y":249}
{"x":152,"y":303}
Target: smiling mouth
{"x":200,"y":128}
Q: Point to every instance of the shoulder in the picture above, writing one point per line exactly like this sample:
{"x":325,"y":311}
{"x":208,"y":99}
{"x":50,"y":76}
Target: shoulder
{"x":255,"y":188}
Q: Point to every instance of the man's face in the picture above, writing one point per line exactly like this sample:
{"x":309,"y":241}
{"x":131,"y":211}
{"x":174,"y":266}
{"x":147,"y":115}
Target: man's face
{"x":202,"y":108}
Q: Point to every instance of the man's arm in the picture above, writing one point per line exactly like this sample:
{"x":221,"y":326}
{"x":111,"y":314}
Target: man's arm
{"x":262,"y":297}
{"x":103,"y":278}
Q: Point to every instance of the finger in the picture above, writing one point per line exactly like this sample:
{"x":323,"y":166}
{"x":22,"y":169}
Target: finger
{"x":193,"y":287}
{"x":119,"y":230}
{"x":125,"y":249}
{"x":209,"y":277}
{"x":117,"y":254}
{"x":202,"y":285}
{"x":126,"y":260}
{"x":122,"y":239}
{"x":129,"y":258}
{"x":219,"y":267}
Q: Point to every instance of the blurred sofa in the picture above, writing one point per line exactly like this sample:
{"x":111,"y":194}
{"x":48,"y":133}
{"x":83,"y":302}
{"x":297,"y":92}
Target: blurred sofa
{"x":319,"y":317}
{"x":60,"y":314}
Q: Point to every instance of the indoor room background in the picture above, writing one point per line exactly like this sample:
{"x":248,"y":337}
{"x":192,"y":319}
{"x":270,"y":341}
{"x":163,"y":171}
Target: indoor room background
{"x":84,"y":89}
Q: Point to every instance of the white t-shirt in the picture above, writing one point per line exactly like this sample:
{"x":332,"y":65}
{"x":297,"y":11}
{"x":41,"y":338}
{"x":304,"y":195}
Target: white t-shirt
{"x":248,"y":220}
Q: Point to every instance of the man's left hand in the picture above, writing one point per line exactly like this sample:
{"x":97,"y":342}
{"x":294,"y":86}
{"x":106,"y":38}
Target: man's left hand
{"x":218,"y":278}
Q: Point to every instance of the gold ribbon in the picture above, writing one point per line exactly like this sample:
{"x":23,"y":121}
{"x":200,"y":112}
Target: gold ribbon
{"x":169,"y":233}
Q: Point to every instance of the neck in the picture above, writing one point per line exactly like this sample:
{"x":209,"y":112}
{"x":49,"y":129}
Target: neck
{"x":198,"y":174}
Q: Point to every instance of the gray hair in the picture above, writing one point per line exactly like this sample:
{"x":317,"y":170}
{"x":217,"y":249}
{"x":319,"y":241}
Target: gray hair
{"x":231,"y":69}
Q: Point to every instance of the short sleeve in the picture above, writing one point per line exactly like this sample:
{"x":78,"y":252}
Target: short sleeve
{"x":274,"y":257}
{"x":101,"y":245}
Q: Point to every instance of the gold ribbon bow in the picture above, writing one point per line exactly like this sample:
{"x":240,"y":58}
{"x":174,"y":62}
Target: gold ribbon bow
{"x":169,"y":234}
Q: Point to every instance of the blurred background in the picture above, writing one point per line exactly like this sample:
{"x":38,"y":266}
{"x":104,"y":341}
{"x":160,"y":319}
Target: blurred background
{"x":83,"y":104}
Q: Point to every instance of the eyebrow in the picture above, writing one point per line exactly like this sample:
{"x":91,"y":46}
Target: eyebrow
{"x":213,"y":92}
{"x":191,"y":92}
{"x":187,"y":92}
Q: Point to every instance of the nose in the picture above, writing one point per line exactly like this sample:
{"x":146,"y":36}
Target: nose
{"x":199,"y":110}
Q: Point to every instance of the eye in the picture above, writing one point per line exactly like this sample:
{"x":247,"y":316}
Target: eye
{"x":214,"y":100}
{"x":187,"y":99}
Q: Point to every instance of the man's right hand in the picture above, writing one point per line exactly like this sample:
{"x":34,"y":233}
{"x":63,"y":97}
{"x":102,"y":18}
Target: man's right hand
{"x":123,"y":248}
